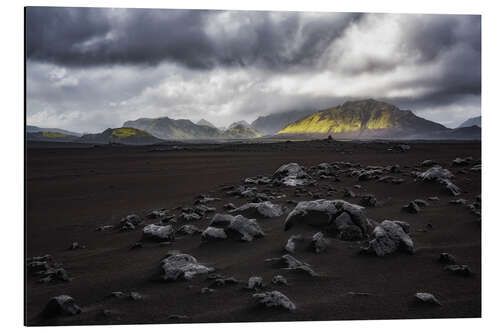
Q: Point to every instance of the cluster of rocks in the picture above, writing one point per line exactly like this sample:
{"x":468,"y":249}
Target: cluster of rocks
{"x":450,"y":264}
{"x":46,"y":269}
{"x":389,"y":237}
{"x":336,"y":216}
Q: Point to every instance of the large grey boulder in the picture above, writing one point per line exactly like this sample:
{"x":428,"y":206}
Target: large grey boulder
{"x":346,"y":229}
{"x":390,"y":236}
{"x":61,"y":305}
{"x":247,"y":228}
{"x":255,"y":282}
{"x":161,"y":232}
{"x":322,"y":213}
{"x":274,"y":299}
{"x":182,"y":266}
{"x":264,"y":209}
{"x":292,"y":174}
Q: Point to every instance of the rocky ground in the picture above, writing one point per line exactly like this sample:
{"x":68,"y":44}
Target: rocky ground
{"x":320,"y":230}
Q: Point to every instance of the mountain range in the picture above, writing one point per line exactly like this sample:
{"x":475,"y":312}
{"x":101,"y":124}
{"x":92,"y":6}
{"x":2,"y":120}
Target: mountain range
{"x":36,"y":129}
{"x":364,"y":119}
{"x":371,"y":119}
{"x":272,"y":123}
{"x":475,"y":121}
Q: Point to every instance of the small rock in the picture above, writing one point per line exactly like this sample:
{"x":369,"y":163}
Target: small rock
{"x":388,"y":237}
{"x":212,"y":233}
{"x":279,"y":279}
{"x":255,"y":282}
{"x":459,"y":269}
{"x":290,"y":244}
{"x":274,"y":299}
{"x":427,"y":298}
{"x":318,"y":242}
{"x":247,"y":228}
{"x":412,"y":208}
{"x":160,"y":232}
{"x":180,"y":265}
{"x":446,"y":258}
{"x":61,"y":305}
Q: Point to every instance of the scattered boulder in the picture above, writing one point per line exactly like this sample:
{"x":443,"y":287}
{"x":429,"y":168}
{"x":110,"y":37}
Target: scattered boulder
{"x":446,"y":258}
{"x":403,"y":148}
{"x":463,"y":270}
{"x":292,"y":174}
{"x":428,"y":163}
{"x":135,"y":296}
{"x":421,"y":202}
{"x":433,"y":198}
{"x":388,"y":237}
{"x":452,"y":188}
{"x":412,"y":207}
{"x":157,"y":213}
{"x":427,"y":298}
{"x":104,"y":228}
{"x":187,"y":217}
{"x":160,"y":232}
{"x":436,"y":173}
{"x":189,"y":229}
{"x":279,"y":279}
{"x":255,"y":282}
{"x":322,"y":213}
{"x":247,"y":228}
{"x":61,"y":305}
{"x":212,"y":233}
{"x":318,"y":242}
{"x":274,"y":299}
{"x":368,"y":200}
{"x":182,"y":266}
{"x":461,"y":161}
{"x":229,"y":206}
{"x":206,"y":290}
{"x":204,"y":199}
{"x":458,"y":202}
{"x":264,"y":209}
{"x":291,"y":243}
{"x":221,"y":220}
{"x":346,"y":229}
{"x":53,"y":274}
{"x":349,"y":194}
{"x":129,"y":222}
{"x":296,"y":265}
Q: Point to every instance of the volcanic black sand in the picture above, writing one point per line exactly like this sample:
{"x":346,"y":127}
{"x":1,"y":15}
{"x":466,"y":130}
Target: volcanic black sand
{"x":72,"y":190}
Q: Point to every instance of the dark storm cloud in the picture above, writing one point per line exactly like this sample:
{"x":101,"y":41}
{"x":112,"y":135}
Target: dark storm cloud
{"x":86,"y":36}
{"x":91,"y":68}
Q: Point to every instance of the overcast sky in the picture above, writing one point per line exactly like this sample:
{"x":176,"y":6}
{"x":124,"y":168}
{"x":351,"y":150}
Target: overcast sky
{"x":90,"y":68}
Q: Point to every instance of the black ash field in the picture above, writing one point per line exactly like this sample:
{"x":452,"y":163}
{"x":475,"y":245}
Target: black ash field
{"x":73,"y":190}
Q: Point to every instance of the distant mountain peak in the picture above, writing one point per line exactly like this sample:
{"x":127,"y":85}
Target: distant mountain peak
{"x":203,"y":122}
{"x":241,"y":122}
{"x":474,"y":121}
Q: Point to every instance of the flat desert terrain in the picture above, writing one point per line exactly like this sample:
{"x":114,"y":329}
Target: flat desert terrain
{"x":72,"y":190}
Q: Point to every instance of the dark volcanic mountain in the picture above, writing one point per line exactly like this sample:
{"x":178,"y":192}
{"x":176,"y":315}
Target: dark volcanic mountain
{"x":272,"y":123}
{"x":123,"y":135}
{"x":243,"y":123}
{"x":36,"y":129}
{"x":476,"y":121}
{"x":370,"y":119}
{"x":241,"y":131}
{"x":171,"y":129}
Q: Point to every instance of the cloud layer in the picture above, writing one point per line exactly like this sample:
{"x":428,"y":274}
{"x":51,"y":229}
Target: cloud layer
{"x":89,"y":68}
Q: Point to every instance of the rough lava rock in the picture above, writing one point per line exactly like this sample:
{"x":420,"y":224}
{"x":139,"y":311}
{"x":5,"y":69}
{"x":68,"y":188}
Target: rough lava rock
{"x":292,"y":174}
{"x":274,"y":299}
{"x":295,"y":264}
{"x":61,"y":305}
{"x":161,"y":232}
{"x":319,"y":242}
{"x":182,"y":266}
{"x":291,"y":243}
{"x":264,"y":209}
{"x":212,"y":233}
{"x":247,"y":228}
{"x":390,"y":236}
{"x":427,"y":298}
{"x":255,"y":282}
{"x":322,"y":213}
